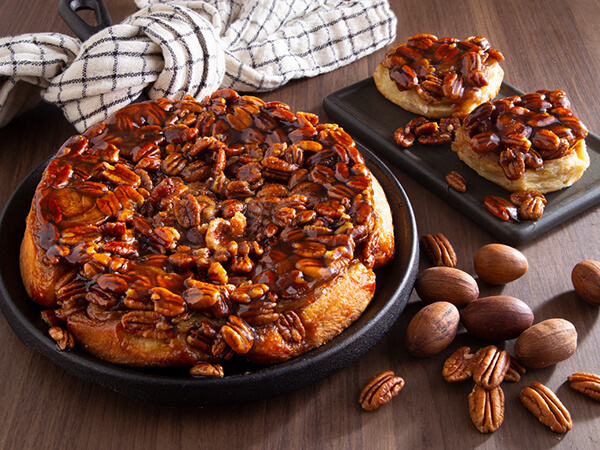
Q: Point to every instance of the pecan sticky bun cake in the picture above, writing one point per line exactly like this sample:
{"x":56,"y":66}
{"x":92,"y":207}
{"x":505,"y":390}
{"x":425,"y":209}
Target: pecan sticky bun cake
{"x":440,"y":77}
{"x":527,"y":142}
{"x":181,"y":233}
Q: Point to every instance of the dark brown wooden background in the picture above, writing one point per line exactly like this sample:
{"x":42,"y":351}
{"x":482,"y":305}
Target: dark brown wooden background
{"x":548,"y":44}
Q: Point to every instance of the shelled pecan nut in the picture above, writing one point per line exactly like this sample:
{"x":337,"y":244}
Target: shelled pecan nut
{"x":586,"y":383}
{"x":456,"y":181}
{"x":501,"y":208}
{"x":63,"y":338}
{"x":459,"y":366}
{"x":515,"y":370}
{"x":486,"y":408}
{"x":380,"y":390}
{"x":207,"y":370}
{"x":491,"y":366}
{"x":546,"y":406}
{"x":438,"y":250}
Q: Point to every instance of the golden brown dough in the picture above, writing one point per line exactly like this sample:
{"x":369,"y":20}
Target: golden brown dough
{"x":439,"y":78}
{"x":184,"y":232}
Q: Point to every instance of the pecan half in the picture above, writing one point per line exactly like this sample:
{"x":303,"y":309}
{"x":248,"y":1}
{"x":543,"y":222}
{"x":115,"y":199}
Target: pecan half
{"x":290,"y":327}
{"x":532,"y":208}
{"x":404,"y":137}
{"x":380,"y":390}
{"x":238,"y":335}
{"x":459,"y":366}
{"x":486,"y":408}
{"x":491,"y":366}
{"x":207,"y":370}
{"x":63,"y":338}
{"x":456,"y":181}
{"x":545,"y":405}
{"x":515,"y":370}
{"x":501,"y":208}
{"x":586,"y":383}
{"x":438,"y":250}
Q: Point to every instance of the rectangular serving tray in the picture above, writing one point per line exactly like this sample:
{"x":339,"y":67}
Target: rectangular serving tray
{"x":371,"y":119}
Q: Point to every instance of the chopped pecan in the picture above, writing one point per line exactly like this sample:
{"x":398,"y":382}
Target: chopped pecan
{"x":63,"y":338}
{"x":586,"y":383}
{"x":486,"y":408}
{"x":436,"y":138}
{"x":459,"y":366}
{"x":515,"y":370}
{"x":380,"y":390}
{"x":449,"y":125}
{"x":438,"y":250}
{"x":207,"y":370}
{"x":404,"y":137}
{"x":546,"y":406}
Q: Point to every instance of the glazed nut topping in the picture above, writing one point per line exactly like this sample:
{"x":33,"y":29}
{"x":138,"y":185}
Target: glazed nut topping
{"x":486,"y":408}
{"x":438,"y":250}
{"x":380,"y":390}
{"x":523,"y":205}
{"x":546,"y":406}
{"x":524,"y":131}
{"x":63,"y":338}
{"x":220,"y":213}
{"x":586,"y":383}
{"x":426,"y":132}
{"x":456,"y":181}
{"x":441,"y":68}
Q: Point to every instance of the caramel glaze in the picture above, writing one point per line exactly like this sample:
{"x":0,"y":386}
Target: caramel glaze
{"x":425,"y":63}
{"x":201,"y":211}
{"x":524,"y":131}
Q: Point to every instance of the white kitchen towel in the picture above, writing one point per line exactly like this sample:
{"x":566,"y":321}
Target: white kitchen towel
{"x":169,"y":49}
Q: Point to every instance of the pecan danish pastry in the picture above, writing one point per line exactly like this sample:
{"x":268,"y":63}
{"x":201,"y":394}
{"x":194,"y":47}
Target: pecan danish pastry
{"x":181,"y":233}
{"x":523,"y":143}
{"x":438,"y":78}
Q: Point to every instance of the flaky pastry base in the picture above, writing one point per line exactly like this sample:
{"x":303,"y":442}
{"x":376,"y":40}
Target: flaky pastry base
{"x":411,"y":101}
{"x":554,"y":175}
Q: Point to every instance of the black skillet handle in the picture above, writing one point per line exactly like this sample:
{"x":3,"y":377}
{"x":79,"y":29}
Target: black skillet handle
{"x":68,"y":11}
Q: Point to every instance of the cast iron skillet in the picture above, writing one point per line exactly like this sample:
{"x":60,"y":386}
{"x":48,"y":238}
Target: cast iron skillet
{"x":243,"y":381}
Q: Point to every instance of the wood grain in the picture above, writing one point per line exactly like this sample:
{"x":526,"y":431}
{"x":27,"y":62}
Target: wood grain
{"x":548,"y":44}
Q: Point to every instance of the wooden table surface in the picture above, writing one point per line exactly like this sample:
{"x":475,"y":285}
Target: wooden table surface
{"x":548,"y":44}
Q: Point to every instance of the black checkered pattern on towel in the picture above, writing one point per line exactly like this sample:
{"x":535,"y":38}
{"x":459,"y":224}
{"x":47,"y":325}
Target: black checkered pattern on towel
{"x":169,"y":49}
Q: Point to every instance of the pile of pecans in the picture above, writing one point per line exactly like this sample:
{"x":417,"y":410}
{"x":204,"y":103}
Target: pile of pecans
{"x":548,"y":342}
